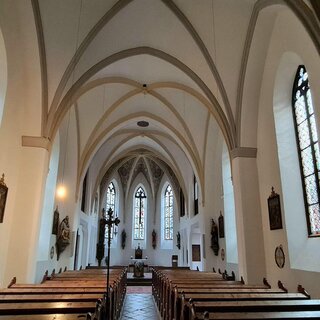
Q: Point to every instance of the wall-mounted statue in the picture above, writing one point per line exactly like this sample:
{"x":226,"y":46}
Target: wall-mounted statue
{"x":154,"y":239}
{"x":123,"y":239}
{"x":178,"y":240}
{"x":100,"y":244}
{"x":63,"y":237}
{"x":138,"y":252}
{"x":214,"y":237}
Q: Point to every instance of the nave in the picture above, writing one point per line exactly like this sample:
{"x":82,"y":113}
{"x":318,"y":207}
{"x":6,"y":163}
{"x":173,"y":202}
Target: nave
{"x":139,"y":306}
{"x":195,"y":121}
{"x":175,"y":294}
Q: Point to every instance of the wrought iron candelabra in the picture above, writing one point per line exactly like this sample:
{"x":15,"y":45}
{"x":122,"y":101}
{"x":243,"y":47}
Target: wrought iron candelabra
{"x":109,"y":222}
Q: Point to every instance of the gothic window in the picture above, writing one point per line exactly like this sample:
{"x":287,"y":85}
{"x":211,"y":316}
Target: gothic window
{"x":168,"y":213}
{"x":111,"y":203}
{"x":140,"y":200}
{"x":195,"y":194}
{"x":182,"y":204}
{"x":308,"y":148}
{"x":84,"y":193}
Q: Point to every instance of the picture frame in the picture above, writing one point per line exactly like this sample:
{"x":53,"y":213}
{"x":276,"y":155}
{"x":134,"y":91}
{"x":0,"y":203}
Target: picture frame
{"x":274,"y":208}
{"x":3,"y":197}
{"x":196,"y":252}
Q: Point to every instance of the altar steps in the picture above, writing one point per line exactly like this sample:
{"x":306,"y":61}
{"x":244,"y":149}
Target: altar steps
{"x":139,"y":282}
{"x":143,"y":281}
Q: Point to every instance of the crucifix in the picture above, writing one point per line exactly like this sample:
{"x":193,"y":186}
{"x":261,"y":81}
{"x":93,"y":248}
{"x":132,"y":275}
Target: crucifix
{"x":109,"y":221}
{"x":140,"y":195}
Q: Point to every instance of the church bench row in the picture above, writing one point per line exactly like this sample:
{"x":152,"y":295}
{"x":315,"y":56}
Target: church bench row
{"x":48,"y":291}
{"x":46,"y":307}
{"x":243,"y":291}
{"x":224,"y":301}
{"x":237,"y":293}
{"x":196,"y":304}
{"x":48,"y":317}
{"x":163,"y":282}
{"x":117,"y":281}
{"x":53,"y":297}
{"x":78,"y":296}
{"x":285,"y":315}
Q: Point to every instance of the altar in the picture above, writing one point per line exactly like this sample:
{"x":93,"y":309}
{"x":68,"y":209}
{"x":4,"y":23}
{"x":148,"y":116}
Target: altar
{"x":138,"y":267}
{"x":138,"y":263}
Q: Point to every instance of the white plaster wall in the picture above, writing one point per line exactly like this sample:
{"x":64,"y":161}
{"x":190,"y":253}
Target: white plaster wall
{"x":4,"y":74}
{"x":22,"y":166}
{"x":280,"y":68}
{"x":48,"y":204}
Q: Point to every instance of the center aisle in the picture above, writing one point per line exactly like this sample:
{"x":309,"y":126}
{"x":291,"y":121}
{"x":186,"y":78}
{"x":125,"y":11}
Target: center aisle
{"x":139,"y":306}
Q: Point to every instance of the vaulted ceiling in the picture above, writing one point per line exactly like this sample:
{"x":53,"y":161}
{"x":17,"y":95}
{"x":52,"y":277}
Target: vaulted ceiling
{"x":179,"y":65}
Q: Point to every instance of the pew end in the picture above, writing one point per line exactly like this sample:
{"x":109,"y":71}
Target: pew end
{"x":282,"y":287}
{"x":12,"y":282}
{"x":206,"y":315}
{"x":266,"y":283}
{"x":45,"y":277}
{"x":303,"y":291}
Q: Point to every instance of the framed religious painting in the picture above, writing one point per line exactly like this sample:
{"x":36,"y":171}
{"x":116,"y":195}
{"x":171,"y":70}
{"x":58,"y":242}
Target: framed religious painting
{"x":3,"y":197}
{"x":196,"y":252}
{"x":274,"y":208}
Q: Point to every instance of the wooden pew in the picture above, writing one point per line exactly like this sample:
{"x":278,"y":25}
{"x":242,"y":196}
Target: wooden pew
{"x":285,"y":315}
{"x":75,"y":308}
{"x":205,"y":298}
{"x":175,"y":305}
{"x":48,"y":317}
{"x":74,"y":293}
{"x":235,"y":301}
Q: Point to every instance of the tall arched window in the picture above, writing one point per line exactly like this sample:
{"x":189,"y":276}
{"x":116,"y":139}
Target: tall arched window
{"x":140,"y":199}
{"x":168,"y":213}
{"x":308,"y":148}
{"x":111,"y":203}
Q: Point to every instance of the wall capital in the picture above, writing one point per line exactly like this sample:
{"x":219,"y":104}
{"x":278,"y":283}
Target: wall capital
{"x":36,"y":142}
{"x":243,"y":152}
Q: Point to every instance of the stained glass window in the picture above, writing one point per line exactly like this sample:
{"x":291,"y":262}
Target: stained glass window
{"x":308,"y":148}
{"x":111,"y":203}
{"x":168,"y":213}
{"x":140,"y":200}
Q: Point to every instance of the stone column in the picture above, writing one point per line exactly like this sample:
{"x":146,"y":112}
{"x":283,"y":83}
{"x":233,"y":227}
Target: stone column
{"x":248,"y":215}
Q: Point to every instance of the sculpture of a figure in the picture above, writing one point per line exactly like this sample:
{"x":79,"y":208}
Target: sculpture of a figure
{"x":214,"y":237}
{"x":178,"y":240}
{"x":63,"y":239}
{"x":123,"y":239}
{"x":101,"y":240}
{"x":138,"y":252}
{"x":154,"y":239}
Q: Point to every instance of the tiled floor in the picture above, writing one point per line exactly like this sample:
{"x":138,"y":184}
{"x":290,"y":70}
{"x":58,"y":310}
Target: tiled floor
{"x":139,"y":307}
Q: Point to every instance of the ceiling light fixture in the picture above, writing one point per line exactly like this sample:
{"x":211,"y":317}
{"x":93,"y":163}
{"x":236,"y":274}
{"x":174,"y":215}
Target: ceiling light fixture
{"x":143,"y":124}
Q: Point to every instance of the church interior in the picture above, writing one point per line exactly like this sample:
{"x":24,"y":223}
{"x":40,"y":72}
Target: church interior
{"x":195,"y":122}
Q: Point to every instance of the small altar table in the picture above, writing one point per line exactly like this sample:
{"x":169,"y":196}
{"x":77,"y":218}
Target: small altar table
{"x":138,"y":267}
